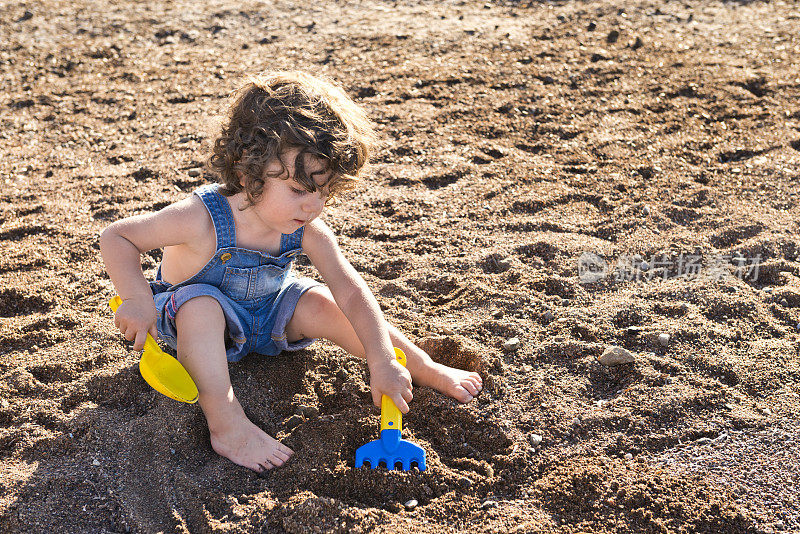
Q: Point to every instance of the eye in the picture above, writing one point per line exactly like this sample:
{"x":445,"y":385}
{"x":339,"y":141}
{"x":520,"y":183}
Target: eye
{"x":297,"y":191}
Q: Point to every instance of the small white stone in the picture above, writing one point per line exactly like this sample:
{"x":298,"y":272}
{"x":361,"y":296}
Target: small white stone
{"x":663,"y":339}
{"x":511,"y":344}
{"x":95,"y":462}
{"x":488,"y":504}
{"x":535,"y":439}
{"x":628,"y":456}
{"x":410,"y":504}
{"x":615,"y":355}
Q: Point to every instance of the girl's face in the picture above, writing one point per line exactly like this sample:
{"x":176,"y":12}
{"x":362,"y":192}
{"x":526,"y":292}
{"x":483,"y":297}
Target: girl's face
{"x":285,"y":205}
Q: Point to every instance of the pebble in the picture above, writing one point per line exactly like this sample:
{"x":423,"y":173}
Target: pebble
{"x":410,"y":504}
{"x":615,"y":355}
{"x":768,"y":290}
{"x":95,"y":462}
{"x":293,"y":421}
{"x":663,"y":339}
{"x":194,"y":173}
{"x":497,"y":314}
{"x":4,"y":404}
{"x":511,"y":344}
{"x":628,"y":456}
{"x":448,"y":331}
{"x":488,"y":504}
{"x":798,"y":327}
{"x":548,"y":316}
{"x":633,"y":330}
{"x":612,"y":36}
{"x":704,"y":441}
{"x":646,"y":211}
{"x":784,"y":303}
{"x":464,"y":482}
{"x":644,"y":266}
{"x":309,"y":411}
{"x":535,"y":439}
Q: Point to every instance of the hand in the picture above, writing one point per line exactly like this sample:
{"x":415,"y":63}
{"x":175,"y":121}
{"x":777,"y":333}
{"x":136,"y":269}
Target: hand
{"x":135,"y":318}
{"x":393,"y":380}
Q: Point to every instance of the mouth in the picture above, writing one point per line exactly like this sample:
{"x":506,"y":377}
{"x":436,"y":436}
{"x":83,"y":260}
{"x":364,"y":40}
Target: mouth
{"x":300,"y":221}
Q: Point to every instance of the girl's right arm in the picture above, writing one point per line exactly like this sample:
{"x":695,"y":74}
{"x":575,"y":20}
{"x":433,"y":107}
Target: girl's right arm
{"x":121,"y":245}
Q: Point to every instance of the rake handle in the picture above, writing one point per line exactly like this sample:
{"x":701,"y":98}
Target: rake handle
{"x":391,"y":416}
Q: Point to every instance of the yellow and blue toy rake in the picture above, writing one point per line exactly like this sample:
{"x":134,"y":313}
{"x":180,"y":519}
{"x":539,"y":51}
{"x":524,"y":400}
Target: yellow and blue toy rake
{"x":390,"y":450}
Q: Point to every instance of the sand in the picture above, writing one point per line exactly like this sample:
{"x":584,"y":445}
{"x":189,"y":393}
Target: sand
{"x":518,"y":138}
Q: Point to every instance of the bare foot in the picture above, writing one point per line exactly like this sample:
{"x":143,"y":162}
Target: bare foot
{"x":245,"y":444}
{"x":461,"y":385}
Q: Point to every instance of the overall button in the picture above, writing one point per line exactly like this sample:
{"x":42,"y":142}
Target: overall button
{"x":225,"y":257}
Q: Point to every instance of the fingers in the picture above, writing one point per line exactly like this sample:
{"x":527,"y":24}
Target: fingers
{"x":128,"y":333}
{"x":376,"y":397}
{"x":153,"y":331}
{"x":400,"y":403}
{"x":138,"y":344}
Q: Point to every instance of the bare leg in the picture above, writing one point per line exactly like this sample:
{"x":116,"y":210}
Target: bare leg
{"x":318,"y":316}
{"x":201,"y":349}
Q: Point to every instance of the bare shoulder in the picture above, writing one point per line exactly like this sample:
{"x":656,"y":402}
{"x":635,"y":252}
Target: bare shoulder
{"x":320,"y":245}
{"x":182,"y":223}
{"x":317,"y":233}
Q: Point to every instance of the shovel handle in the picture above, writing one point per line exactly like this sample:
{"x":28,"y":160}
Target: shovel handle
{"x":391,"y":416}
{"x":149,"y":343}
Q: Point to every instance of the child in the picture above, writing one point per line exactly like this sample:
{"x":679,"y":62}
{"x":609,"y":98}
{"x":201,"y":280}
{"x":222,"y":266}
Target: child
{"x":225,"y":287}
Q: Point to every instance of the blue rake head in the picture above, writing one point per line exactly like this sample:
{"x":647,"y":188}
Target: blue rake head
{"x":391,"y":451}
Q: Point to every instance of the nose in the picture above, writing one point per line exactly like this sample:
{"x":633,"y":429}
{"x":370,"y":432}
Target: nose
{"x":313,"y":203}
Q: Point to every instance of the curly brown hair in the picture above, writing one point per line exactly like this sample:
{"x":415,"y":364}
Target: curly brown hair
{"x":280,"y":111}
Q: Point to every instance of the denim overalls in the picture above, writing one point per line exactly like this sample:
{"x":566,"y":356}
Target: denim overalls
{"x":258,"y":292}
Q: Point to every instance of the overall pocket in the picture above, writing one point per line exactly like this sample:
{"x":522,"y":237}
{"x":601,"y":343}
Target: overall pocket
{"x":251,"y":283}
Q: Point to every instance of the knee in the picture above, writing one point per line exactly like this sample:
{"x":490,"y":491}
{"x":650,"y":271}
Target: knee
{"x":318,"y":302}
{"x":203,"y":310}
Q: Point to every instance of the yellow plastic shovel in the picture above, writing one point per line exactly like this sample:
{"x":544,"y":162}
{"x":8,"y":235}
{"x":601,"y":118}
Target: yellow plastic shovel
{"x":164,"y":373}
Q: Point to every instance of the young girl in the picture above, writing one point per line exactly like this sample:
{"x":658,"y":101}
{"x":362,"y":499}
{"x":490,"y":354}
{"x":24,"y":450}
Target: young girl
{"x":225,"y":287}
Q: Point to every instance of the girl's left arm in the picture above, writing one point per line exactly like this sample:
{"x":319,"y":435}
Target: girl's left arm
{"x":350,"y":291}
{"x":357,"y":302}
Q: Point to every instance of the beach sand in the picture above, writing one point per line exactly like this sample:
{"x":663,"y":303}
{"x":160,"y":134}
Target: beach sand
{"x":519,"y":138}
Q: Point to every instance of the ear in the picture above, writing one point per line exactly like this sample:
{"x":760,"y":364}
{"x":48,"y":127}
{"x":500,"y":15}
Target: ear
{"x":241,"y":178}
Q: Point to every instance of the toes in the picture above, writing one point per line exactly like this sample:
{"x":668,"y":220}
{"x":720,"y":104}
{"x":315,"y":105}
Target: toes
{"x":477,"y":381}
{"x":470,"y":387}
{"x":266,"y":466}
{"x":280,"y":455}
{"x":463,"y":395}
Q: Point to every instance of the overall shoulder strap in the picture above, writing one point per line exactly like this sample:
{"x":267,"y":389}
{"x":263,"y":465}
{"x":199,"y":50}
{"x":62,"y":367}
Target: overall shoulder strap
{"x":221,"y":215}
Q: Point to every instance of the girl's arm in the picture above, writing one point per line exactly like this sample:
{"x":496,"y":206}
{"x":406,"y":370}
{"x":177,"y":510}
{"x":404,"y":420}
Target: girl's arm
{"x":358,"y":304}
{"x":121,"y":245}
